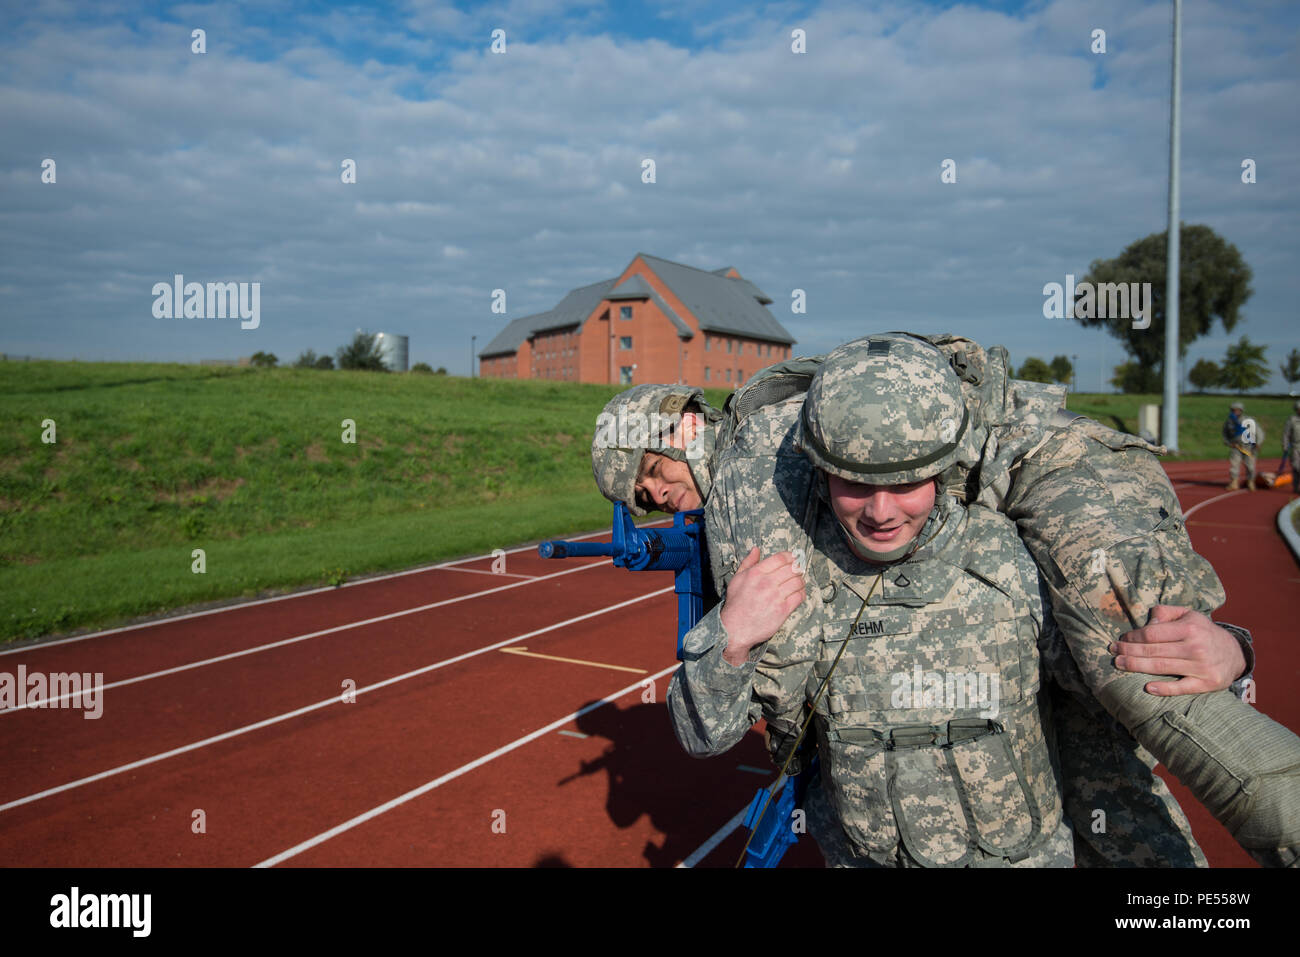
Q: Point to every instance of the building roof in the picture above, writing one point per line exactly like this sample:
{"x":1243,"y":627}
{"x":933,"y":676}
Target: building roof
{"x":572,"y":310}
{"x":721,"y":304}
{"x":635,"y":287}
{"x":733,"y":306}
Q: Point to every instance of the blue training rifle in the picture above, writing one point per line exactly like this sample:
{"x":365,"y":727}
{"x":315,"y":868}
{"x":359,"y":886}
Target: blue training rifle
{"x":680,"y":549}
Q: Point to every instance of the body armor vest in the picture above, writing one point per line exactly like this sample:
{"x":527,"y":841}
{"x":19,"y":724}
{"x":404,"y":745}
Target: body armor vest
{"x":929,"y":730}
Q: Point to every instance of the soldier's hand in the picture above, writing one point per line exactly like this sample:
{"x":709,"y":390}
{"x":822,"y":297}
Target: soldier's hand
{"x":760,"y":597}
{"x":1179,"y":641}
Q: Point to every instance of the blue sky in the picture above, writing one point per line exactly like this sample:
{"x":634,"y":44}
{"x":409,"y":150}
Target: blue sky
{"x":522,"y":171}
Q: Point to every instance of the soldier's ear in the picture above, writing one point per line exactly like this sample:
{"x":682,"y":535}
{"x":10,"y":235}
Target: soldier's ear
{"x":692,"y":422}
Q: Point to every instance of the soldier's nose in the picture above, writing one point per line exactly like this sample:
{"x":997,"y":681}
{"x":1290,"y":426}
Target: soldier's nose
{"x":878,"y":507}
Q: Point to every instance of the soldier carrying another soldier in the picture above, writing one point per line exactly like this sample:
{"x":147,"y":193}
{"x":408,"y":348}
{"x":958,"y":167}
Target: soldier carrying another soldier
{"x":1080,"y":494}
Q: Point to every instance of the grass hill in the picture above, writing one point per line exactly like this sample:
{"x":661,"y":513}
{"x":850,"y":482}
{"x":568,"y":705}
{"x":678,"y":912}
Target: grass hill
{"x":152,"y":461}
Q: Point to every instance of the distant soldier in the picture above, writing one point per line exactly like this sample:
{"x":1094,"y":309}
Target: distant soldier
{"x":1291,"y":447}
{"x":1243,"y":436}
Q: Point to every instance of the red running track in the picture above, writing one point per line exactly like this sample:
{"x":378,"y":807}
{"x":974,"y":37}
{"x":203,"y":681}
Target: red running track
{"x":226,"y":740}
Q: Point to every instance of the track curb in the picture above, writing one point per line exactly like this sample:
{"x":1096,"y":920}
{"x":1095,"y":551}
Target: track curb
{"x":1286,"y":526}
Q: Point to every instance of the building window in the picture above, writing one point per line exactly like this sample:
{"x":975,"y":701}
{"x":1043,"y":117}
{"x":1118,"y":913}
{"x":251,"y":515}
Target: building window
{"x":706,"y":343}
{"x":728,"y":345}
{"x":625,"y":342}
{"x":625,"y":375}
{"x":625,"y":312}
{"x":706,"y":373}
{"x":728,"y":375}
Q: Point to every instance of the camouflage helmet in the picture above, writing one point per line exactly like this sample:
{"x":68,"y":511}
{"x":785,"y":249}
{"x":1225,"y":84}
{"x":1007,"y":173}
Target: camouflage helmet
{"x":631,"y":424}
{"x":884,"y":410}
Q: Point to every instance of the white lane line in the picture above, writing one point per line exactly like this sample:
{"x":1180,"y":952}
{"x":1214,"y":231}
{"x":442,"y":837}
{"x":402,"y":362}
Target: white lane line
{"x":320,"y":704}
{"x":705,"y":849}
{"x":299,"y":594}
{"x":452,"y":775}
{"x":1199,"y":505}
{"x":44,"y":702}
{"x":484,"y":571}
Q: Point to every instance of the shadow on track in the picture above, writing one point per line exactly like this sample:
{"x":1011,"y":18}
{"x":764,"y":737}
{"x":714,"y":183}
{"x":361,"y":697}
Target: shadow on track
{"x":648,"y":773}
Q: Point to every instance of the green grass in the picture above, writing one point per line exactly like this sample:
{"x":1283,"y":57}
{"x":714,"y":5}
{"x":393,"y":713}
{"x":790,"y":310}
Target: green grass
{"x":1200,"y":420}
{"x":154,"y":460}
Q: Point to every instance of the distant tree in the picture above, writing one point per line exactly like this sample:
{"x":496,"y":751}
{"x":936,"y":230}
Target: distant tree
{"x":1062,"y":369}
{"x":324,"y":362}
{"x":1244,"y":366}
{"x":1291,"y":368}
{"x":306,"y":361}
{"x":1205,"y":375}
{"x":1035,"y":370}
{"x":1133,"y":377}
{"x":441,"y":370}
{"x":1213,"y":283}
{"x":362,"y":353}
{"x":422,"y":367}
{"x":264,"y":360}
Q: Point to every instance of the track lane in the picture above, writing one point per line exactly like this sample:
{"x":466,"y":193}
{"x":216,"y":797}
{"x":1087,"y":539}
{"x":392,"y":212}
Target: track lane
{"x":270,"y":790}
{"x":278,"y":786}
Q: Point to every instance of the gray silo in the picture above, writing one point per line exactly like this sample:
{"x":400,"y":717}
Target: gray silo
{"x":395,"y":350}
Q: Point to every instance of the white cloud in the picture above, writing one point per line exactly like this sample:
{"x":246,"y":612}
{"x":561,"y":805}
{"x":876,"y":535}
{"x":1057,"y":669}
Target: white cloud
{"x":818,"y":171}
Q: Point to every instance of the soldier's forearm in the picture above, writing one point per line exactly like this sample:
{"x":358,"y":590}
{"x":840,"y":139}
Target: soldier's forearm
{"x":709,"y":699}
{"x":1243,"y":766}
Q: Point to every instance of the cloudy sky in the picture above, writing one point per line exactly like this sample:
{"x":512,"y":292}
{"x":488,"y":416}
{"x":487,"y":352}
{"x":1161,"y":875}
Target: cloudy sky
{"x":522,"y":170}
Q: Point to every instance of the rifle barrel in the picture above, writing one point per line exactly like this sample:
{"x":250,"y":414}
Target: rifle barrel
{"x":561,"y":549}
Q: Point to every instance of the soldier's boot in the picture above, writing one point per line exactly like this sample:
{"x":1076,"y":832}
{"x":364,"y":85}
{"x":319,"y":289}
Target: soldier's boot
{"x":1234,"y":485}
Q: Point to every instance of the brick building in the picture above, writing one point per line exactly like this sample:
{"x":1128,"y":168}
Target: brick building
{"x":657,"y":321}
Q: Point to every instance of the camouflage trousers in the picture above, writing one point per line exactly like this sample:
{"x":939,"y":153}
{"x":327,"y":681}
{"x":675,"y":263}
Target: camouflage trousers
{"x":1235,"y":458}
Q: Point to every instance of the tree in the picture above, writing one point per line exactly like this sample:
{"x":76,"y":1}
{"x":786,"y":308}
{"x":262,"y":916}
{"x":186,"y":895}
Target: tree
{"x":1291,"y":369}
{"x":1035,"y":370}
{"x":362,"y":353}
{"x":1205,"y":375}
{"x":324,"y":362}
{"x":422,"y":367}
{"x":306,"y":360}
{"x":1062,"y":369}
{"x":1244,"y":366}
{"x":1213,"y":283}
{"x":441,"y":370}
{"x":1131,"y":377}
{"x":264,"y":360}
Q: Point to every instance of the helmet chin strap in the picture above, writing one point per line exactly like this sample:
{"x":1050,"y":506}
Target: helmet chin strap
{"x":893,"y":554}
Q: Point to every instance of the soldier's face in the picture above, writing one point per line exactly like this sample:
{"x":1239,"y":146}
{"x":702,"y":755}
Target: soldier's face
{"x":666,"y":484}
{"x":882,"y":517}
